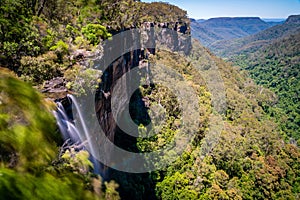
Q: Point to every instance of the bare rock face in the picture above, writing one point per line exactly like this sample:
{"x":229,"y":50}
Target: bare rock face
{"x":173,"y":36}
{"x":55,"y":88}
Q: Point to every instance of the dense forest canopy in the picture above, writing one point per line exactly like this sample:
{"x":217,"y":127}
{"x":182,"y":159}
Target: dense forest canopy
{"x":40,"y":41}
{"x":276,"y":66}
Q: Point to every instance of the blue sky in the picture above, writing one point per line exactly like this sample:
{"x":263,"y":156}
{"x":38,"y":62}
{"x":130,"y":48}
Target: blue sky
{"x":204,"y":9}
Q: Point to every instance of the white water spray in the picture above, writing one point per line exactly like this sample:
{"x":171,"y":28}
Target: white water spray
{"x":78,"y":133}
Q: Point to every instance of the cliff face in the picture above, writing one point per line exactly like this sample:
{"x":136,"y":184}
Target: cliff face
{"x":141,"y":44}
{"x":293,"y":19}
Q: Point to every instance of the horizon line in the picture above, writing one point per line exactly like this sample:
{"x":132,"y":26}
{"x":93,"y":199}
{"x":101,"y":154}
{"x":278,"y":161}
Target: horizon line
{"x":284,"y":18}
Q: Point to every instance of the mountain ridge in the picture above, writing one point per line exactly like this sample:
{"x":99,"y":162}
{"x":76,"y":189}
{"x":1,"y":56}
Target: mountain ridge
{"x":228,"y":48}
{"x":225,"y":28}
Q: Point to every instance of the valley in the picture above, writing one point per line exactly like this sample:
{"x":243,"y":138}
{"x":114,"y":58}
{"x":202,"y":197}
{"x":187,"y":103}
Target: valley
{"x":126,"y":99}
{"x":271,"y":57}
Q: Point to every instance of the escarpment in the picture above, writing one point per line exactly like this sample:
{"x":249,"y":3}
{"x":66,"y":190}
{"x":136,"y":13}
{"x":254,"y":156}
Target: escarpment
{"x":130,"y":49}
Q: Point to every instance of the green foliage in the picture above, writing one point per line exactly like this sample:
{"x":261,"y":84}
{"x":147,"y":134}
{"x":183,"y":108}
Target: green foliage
{"x":14,"y":185}
{"x":250,"y":161}
{"x":162,"y":12}
{"x":61,"y":49}
{"x":176,"y":187}
{"x":14,"y":18}
{"x":41,"y":68}
{"x":276,"y":67}
{"x":31,"y":28}
{"x":49,"y":39}
{"x":110,"y":192}
{"x":77,"y":161}
{"x":27,"y":127}
{"x":94,"y":32}
{"x":11,"y":48}
{"x":86,"y":80}
{"x":30,"y":168}
{"x":72,"y":31}
{"x":18,"y":34}
{"x":160,"y":98}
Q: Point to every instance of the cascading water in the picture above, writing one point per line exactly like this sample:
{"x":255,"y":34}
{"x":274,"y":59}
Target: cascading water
{"x":64,"y":122}
{"x":78,"y":134}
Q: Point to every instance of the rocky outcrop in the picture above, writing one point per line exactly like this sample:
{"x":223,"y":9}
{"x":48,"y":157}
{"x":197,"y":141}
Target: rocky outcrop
{"x":55,"y":88}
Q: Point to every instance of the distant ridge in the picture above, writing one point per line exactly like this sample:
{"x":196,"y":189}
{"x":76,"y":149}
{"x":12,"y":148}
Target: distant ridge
{"x":225,"y":28}
{"x":293,"y":19}
{"x":197,"y":20}
{"x":201,"y":20}
{"x":274,"y":19}
{"x":228,"y":48}
{"x":232,"y":18}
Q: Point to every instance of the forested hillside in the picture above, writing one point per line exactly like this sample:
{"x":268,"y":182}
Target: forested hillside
{"x":238,"y":149}
{"x":272,"y":59}
{"x":248,"y":161}
{"x":276,"y":66}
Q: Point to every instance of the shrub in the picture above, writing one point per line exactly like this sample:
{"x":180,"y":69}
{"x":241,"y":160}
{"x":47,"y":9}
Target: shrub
{"x":86,"y":80}
{"x":41,"y":68}
{"x":26,"y":126}
{"x":61,"y":49}
{"x":94,"y":32}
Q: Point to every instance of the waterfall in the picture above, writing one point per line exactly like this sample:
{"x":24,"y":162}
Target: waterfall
{"x":66,"y":127}
{"x":82,"y":122}
{"x":78,"y":134}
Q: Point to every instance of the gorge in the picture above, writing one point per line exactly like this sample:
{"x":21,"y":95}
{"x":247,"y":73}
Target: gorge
{"x":132,"y":70}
